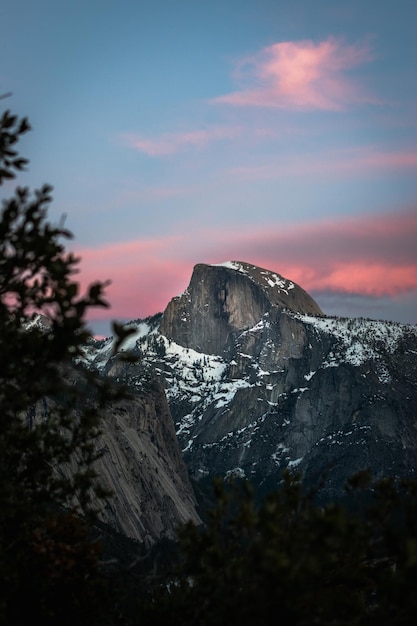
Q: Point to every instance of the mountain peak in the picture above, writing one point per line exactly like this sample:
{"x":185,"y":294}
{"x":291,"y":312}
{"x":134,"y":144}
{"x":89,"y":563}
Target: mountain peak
{"x":226,"y":298}
{"x":270,"y":281}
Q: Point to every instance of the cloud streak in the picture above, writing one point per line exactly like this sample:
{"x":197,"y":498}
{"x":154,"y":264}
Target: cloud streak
{"x":369,"y":255}
{"x":301,"y":75}
{"x":171,"y":143}
{"x":345,"y":162}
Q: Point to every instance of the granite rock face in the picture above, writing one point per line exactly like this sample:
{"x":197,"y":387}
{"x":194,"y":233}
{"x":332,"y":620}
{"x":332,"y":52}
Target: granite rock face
{"x":222,"y":300}
{"x":258,"y":380}
{"x":140,"y":464}
{"x":143,"y":467}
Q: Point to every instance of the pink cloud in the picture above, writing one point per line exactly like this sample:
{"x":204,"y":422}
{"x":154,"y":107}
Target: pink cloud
{"x":390,"y":160}
{"x":340,"y":163}
{"x":301,"y":75}
{"x":143,"y":275}
{"x":170,"y":143}
{"x":372,"y":255}
{"x":378,"y":279}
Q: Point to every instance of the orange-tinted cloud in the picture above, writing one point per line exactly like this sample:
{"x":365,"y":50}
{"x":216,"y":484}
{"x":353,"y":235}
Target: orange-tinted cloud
{"x":301,"y":75}
{"x":170,"y":143}
{"x":373,"y":255}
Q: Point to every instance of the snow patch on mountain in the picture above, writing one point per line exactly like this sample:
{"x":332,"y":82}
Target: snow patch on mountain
{"x":265,"y":278}
{"x":232,"y":265}
{"x":202,"y":383}
{"x":273,"y":280}
{"x":359,"y":340}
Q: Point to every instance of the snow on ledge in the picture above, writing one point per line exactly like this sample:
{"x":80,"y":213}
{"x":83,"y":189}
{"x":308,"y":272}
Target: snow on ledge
{"x":232,"y":265}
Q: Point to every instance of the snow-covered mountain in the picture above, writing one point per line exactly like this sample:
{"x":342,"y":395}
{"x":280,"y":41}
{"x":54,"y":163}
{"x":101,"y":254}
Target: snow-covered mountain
{"x":258,"y":379}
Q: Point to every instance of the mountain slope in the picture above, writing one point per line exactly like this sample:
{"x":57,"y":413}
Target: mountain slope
{"x":140,"y":462}
{"x":143,"y":467}
{"x":258,"y":380}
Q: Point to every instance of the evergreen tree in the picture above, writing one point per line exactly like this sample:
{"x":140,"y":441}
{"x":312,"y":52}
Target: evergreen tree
{"x":49,"y":566}
{"x":293,"y":562}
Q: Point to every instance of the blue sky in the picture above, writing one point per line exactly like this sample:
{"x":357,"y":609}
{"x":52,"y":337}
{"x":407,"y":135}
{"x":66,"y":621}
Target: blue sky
{"x":278,"y":133}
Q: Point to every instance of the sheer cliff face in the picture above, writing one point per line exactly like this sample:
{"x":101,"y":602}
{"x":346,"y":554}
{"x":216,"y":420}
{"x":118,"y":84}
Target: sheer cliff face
{"x":222,"y":300}
{"x":142,"y":465}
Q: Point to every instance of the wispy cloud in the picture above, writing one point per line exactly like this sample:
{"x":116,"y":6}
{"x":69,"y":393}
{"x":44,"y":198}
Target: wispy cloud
{"x":170,"y":143}
{"x":343,"y":162}
{"x":144,"y":274}
{"x":301,"y":75}
{"x":372,"y":255}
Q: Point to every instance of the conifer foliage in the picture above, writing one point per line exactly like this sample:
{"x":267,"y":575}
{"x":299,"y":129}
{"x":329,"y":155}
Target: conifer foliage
{"x":49,"y":567}
{"x":291,"y":561}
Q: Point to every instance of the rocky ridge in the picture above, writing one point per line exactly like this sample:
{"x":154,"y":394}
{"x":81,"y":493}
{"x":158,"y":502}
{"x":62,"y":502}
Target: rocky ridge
{"x":258,"y":380}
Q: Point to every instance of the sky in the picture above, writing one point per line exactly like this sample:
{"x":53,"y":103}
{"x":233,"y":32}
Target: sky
{"x":279,"y":133}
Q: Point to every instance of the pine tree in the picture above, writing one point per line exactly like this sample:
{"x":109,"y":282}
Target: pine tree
{"x":292,"y":561}
{"x":49,"y":415}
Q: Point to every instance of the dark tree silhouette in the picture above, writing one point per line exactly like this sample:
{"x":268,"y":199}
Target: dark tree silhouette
{"x":49,"y":566}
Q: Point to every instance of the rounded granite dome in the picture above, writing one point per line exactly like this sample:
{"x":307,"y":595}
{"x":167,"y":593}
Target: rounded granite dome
{"x":281,"y":291}
{"x":226,"y":298}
